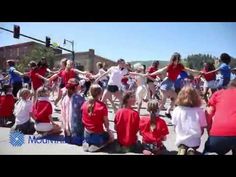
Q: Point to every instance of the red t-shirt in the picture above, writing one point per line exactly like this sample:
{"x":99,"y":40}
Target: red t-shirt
{"x":150,"y":70}
{"x":224,"y":119}
{"x":173,"y":71}
{"x":7,"y":103}
{"x":94,"y":122}
{"x":127,"y":126}
{"x":124,"y":80}
{"x":42,"y":109}
{"x":42,"y":70}
{"x":209,"y":77}
{"x":36,"y":81}
{"x":157,"y":135}
{"x":66,"y":75}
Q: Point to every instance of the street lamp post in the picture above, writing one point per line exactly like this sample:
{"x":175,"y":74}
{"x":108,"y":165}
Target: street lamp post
{"x":73,"y":52}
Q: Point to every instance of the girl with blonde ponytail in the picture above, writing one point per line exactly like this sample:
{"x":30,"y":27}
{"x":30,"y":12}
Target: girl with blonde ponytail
{"x":153,"y":129}
{"x":94,"y":116}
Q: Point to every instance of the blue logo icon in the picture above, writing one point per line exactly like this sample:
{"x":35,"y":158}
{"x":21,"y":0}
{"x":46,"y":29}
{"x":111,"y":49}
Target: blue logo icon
{"x":16,"y":138}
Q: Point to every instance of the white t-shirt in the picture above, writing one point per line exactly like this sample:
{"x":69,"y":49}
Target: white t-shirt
{"x":188,"y":122}
{"x":22,"y":110}
{"x":102,"y":71}
{"x":116,"y":75}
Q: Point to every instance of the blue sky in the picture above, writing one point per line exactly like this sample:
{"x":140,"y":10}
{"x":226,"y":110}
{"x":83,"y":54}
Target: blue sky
{"x":133,"y":41}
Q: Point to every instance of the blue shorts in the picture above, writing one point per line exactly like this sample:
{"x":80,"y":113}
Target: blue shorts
{"x":97,"y":139}
{"x":167,"y":84}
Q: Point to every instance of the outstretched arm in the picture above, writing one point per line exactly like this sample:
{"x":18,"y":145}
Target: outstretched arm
{"x":159,"y":71}
{"x":191,"y":70}
{"x":104,"y":74}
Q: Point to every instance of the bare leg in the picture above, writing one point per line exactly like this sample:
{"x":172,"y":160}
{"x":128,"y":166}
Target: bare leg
{"x":118,"y":95}
{"x":163,"y":98}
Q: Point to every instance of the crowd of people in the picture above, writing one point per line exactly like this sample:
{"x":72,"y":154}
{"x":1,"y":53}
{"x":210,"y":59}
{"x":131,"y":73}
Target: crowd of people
{"x":198,"y":100}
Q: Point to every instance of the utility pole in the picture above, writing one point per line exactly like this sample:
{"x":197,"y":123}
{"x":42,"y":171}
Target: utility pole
{"x":73,"y":52}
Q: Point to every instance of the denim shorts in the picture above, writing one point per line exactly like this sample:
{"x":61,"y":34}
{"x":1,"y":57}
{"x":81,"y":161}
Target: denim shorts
{"x":97,"y":139}
{"x":167,"y":84}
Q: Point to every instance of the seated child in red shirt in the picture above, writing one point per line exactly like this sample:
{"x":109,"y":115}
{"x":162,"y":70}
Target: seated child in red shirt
{"x":153,"y":129}
{"x":42,"y":113}
{"x":6,"y":107}
{"x":127,"y":125}
{"x":94,"y":116}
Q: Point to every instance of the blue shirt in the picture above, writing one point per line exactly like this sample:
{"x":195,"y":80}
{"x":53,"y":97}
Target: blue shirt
{"x":225,"y":70}
{"x":14,"y":78}
{"x":179,"y":81}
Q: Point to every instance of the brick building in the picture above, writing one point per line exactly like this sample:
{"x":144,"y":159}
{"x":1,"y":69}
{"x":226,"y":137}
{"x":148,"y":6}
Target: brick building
{"x":84,"y":60}
{"x":87,"y":60}
{"x":17,"y":52}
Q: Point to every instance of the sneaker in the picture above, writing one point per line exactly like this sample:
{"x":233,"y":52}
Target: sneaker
{"x":85,"y":146}
{"x":191,"y":151}
{"x":93,"y":148}
{"x":146,"y":152}
{"x":181,"y":151}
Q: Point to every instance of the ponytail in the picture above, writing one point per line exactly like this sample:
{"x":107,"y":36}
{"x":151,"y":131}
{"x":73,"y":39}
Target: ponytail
{"x":152,"y":108}
{"x":95,"y":91}
{"x":91,"y":103}
{"x":152,"y":121}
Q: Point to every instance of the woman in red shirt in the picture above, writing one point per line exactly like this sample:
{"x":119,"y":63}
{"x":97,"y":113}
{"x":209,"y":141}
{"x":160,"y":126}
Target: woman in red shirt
{"x":221,"y":119}
{"x":94,"y":116}
{"x":151,"y":86}
{"x":167,"y":86}
{"x":127,"y":125}
{"x":42,"y":113}
{"x":209,"y":82}
{"x":153,"y":129}
{"x":6,"y":106}
{"x":66,"y":74}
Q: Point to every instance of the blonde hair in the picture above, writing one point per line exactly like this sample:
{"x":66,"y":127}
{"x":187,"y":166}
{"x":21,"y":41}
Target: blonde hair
{"x":152,"y":108}
{"x":41,"y":92}
{"x":189,"y":97}
{"x":23,"y":91}
{"x":138,"y":66}
{"x":95,"y":90}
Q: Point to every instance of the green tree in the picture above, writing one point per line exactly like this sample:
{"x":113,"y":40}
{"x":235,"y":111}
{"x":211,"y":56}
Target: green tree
{"x":196,"y":61}
{"x":36,"y":54}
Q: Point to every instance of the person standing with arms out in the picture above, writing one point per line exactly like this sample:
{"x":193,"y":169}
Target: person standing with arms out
{"x":209,"y":80}
{"x":15,"y":77}
{"x":114,"y":83}
{"x":224,"y":69}
{"x":167,"y":86}
{"x":66,"y":74}
{"x":102,"y":81}
{"x":151,"y":86}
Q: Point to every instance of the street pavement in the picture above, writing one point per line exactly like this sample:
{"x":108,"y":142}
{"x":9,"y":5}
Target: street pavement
{"x":60,"y":148}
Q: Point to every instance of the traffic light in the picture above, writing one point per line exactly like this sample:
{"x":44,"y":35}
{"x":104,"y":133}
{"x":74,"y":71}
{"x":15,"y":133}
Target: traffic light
{"x":16,"y":33}
{"x":48,"y":41}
